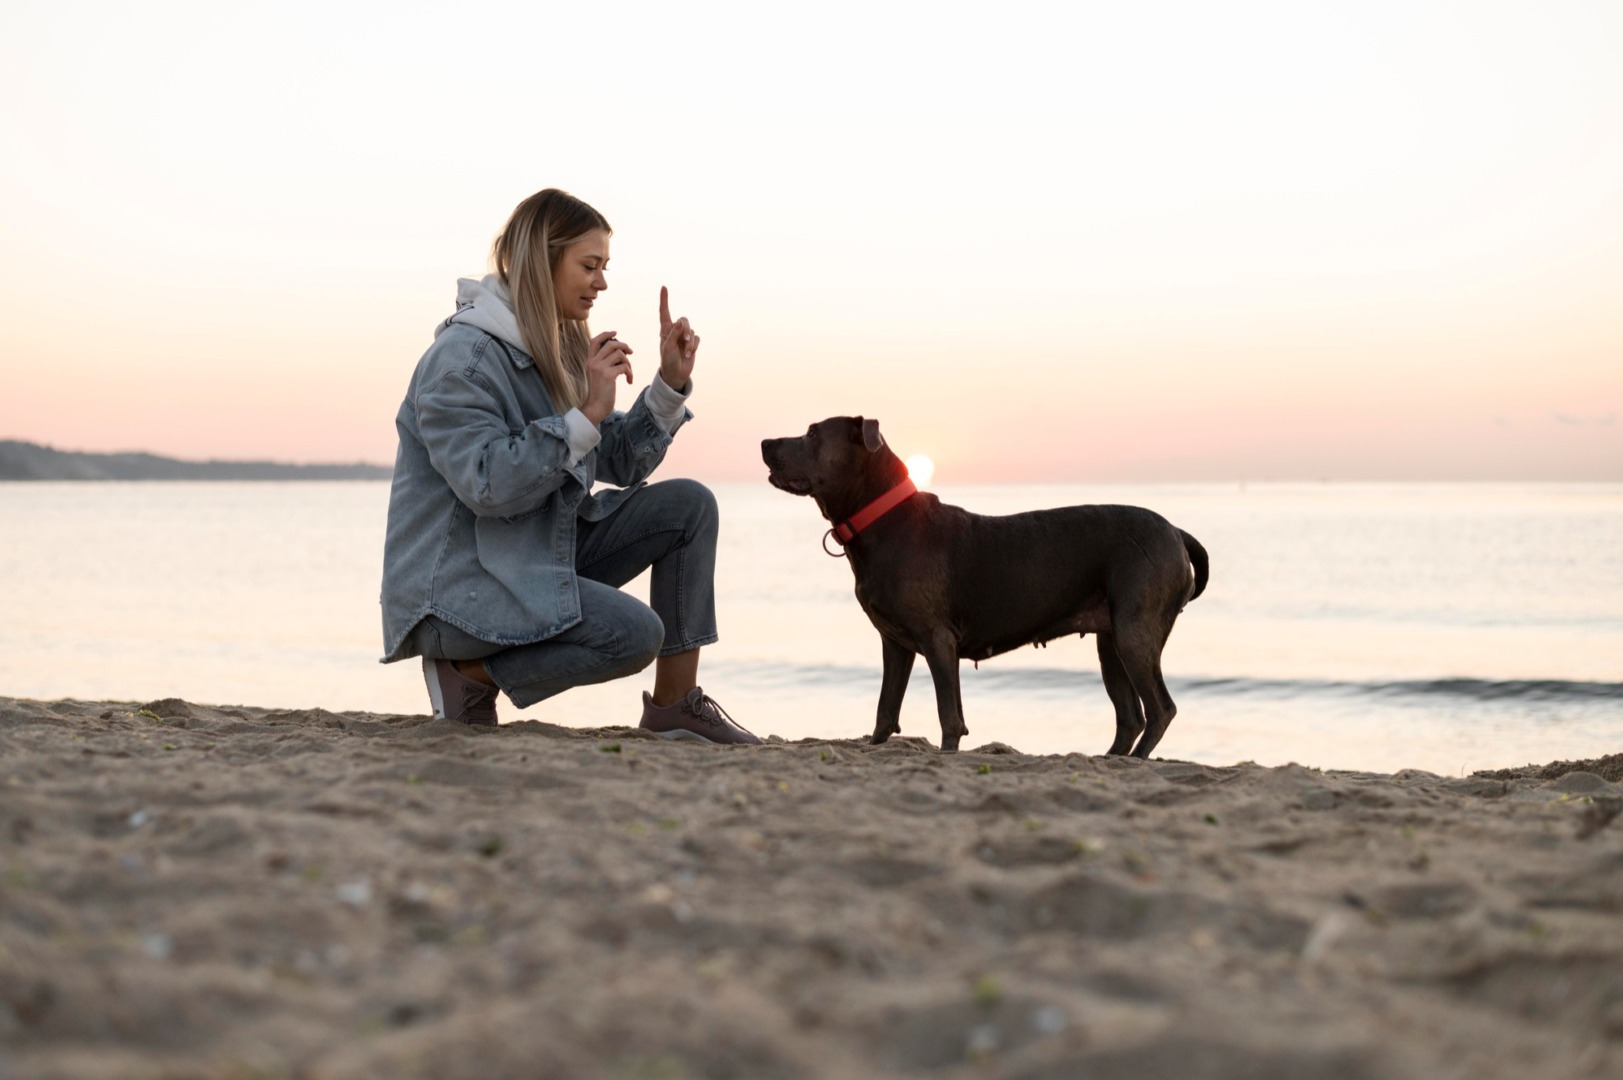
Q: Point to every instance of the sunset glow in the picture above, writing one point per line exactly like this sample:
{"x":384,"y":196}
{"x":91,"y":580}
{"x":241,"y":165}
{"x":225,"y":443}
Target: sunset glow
{"x":1165,"y":242}
{"x":920,"y":469}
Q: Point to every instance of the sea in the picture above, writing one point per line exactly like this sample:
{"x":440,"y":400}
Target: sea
{"x":1372,"y":627}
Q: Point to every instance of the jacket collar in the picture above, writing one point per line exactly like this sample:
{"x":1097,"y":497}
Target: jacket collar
{"x":484,"y":305}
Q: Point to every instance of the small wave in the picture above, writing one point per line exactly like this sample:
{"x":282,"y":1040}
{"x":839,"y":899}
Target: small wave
{"x":1070,"y":680}
{"x":1471,"y":689}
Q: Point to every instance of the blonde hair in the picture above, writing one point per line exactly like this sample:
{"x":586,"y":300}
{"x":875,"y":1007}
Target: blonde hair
{"x":525,"y":255}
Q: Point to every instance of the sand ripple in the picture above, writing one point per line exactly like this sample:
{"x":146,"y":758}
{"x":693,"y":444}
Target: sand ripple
{"x":190,"y":891}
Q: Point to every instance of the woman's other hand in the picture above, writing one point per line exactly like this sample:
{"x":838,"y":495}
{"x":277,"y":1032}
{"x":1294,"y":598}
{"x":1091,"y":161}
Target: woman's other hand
{"x":607,"y":359}
{"x":678,"y":345}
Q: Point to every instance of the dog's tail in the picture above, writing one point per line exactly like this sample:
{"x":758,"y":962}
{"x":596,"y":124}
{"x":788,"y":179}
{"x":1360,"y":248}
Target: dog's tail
{"x":1197,"y":558}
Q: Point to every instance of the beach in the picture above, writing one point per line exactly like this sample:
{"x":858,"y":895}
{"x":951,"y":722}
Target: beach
{"x":198,"y":891}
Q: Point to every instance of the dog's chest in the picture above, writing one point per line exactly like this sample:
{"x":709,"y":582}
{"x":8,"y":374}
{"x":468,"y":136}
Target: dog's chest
{"x":892,"y":628}
{"x":906,"y":603}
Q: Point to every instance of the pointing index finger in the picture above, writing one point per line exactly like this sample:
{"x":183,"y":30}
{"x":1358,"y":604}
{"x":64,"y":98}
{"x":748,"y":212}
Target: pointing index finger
{"x":664,"y":311}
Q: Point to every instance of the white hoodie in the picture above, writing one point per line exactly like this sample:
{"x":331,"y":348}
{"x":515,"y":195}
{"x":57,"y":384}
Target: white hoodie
{"x":484,"y":305}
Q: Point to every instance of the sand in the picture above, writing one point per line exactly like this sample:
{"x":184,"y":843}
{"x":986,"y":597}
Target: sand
{"x":190,"y":891}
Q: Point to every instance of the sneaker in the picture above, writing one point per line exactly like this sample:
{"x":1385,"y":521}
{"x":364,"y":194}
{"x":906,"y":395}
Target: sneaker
{"x":457,"y":697}
{"x":696,"y":716}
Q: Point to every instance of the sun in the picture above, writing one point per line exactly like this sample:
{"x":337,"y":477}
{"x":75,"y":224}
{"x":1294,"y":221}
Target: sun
{"x":919,"y":469}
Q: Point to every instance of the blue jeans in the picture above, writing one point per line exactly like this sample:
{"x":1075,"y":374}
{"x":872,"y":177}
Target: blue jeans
{"x":669,"y":526}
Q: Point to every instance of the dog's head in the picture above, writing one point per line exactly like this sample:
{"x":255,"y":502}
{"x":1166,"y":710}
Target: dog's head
{"x":833,"y":455}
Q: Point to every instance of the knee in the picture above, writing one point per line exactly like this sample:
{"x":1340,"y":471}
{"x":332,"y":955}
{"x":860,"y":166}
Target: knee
{"x":644,"y":636}
{"x":697,"y":504}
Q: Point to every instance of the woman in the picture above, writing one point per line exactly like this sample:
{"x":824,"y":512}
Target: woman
{"x":502,"y":568}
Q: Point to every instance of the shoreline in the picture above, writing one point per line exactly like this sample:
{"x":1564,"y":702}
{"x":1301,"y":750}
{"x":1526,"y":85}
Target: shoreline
{"x":190,"y":890}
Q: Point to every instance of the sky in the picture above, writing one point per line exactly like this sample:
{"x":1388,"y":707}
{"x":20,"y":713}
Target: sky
{"x":1039,"y":242}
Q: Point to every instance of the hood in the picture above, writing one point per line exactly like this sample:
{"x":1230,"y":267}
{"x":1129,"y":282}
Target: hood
{"x":483,"y":304}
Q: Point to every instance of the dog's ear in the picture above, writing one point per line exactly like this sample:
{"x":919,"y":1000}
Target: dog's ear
{"x":870,"y":435}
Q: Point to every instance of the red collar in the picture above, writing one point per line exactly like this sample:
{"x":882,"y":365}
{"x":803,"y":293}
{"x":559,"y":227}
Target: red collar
{"x":846,"y":531}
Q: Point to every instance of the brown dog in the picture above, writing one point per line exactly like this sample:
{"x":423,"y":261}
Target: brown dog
{"x":938,"y":580}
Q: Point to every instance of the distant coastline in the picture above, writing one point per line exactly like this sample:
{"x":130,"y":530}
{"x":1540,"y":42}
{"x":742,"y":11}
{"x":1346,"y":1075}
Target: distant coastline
{"x":31,"y":461}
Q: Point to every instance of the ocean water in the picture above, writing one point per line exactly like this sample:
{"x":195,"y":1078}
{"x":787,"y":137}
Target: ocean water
{"x":1447,"y":627}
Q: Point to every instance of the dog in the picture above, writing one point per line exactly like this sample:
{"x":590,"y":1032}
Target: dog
{"x":938,"y":581}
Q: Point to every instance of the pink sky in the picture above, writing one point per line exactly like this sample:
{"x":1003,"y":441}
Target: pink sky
{"x":1275,"y":244}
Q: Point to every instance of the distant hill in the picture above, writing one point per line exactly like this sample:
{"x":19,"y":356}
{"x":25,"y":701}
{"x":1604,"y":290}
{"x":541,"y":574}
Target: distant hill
{"x":30,"y":461}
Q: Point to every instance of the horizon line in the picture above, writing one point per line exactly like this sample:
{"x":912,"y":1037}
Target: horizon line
{"x":736,"y":477}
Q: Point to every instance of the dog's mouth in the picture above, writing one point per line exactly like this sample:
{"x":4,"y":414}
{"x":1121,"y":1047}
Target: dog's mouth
{"x":793,"y":485}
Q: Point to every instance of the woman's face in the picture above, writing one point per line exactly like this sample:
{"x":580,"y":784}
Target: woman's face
{"x":578,"y":277}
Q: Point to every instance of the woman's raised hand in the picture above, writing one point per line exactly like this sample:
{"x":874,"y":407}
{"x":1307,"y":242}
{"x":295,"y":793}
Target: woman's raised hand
{"x":678,"y":345}
{"x":606,"y":361}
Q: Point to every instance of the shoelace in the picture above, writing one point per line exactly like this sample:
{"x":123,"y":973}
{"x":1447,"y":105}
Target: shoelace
{"x":707,"y":710}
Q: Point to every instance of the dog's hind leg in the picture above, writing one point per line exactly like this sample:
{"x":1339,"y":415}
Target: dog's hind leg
{"x":1138,"y":644}
{"x":941,"y":653}
{"x":898,"y":666}
{"x":1129,"y":713}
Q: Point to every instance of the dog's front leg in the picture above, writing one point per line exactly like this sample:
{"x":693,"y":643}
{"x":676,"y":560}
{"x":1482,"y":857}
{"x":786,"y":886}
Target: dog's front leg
{"x":941,"y":653}
{"x":898,"y":666}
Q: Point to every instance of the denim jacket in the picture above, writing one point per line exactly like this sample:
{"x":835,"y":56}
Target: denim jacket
{"x":482,"y":513}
